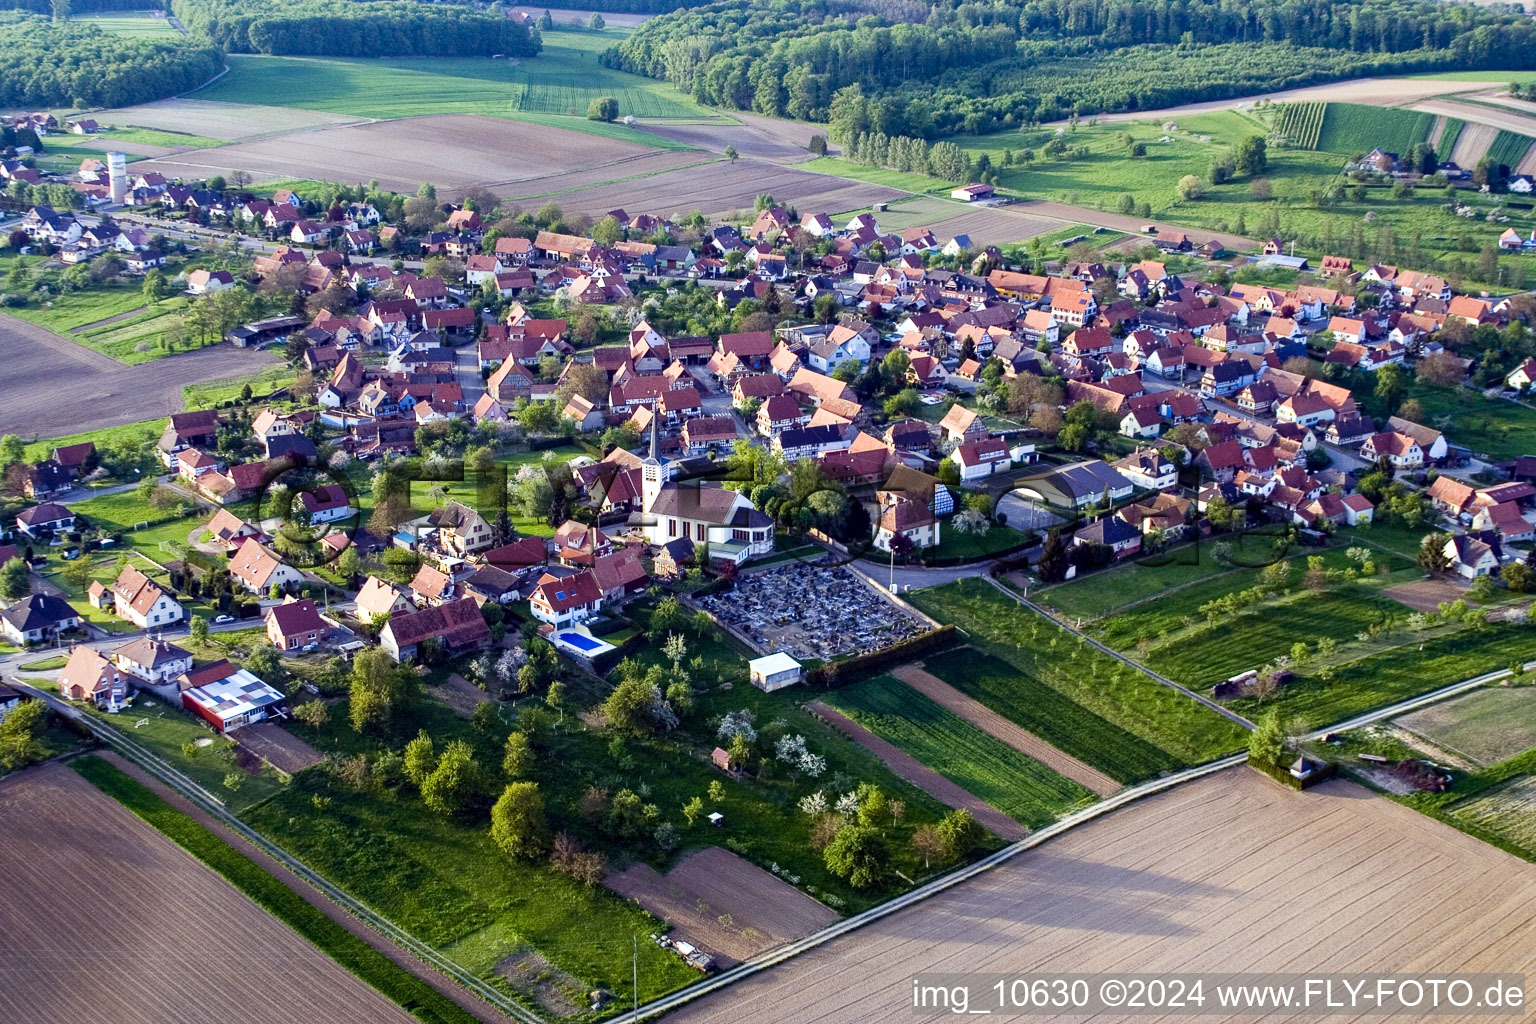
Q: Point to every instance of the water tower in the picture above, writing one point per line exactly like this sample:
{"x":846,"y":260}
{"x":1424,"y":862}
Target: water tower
{"x":117,"y":176}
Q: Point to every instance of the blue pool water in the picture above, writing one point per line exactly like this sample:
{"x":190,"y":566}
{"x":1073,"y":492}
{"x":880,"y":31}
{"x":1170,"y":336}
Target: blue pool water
{"x":580,"y":641}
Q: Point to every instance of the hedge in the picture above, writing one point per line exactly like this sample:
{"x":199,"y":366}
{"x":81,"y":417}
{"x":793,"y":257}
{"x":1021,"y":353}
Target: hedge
{"x":851,"y":670}
{"x":410,"y":992}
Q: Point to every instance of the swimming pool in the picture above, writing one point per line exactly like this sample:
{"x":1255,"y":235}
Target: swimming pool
{"x":580,"y":641}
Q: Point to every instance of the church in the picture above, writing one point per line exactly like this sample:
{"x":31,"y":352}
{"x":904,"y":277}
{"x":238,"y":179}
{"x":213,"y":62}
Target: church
{"x":700,"y":511}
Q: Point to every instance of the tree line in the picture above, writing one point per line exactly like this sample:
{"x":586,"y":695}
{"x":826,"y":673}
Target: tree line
{"x":70,"y":65}
{"x":977,"y":66}
{"x":364,"y":28}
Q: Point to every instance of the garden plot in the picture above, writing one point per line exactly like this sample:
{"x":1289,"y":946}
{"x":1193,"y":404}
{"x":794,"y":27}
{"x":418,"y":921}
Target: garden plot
{"x":1508,"y":811}
{"x":812,"y":612}
{"x":723,"y":903}
{"x":1485,"y":726}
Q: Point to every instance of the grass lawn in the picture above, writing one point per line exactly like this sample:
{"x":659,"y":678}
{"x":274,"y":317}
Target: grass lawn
{"x":124,"y":510}
{"x":1039,"y":648}
{"x":262,"y":382}
{"x":1491,"y":427}
{"x":412,"y":87}
{"x":147,"y":431}
{"x":1019,"y":786}
{"x":908,"y":182}
{"x":132,"y":340}
{"x":44,"y":664}
{"x":164,"y":730}
{"x":286,"y":905}
{"x":1163,"y":613}
{"x":1100,"y":593}
{"x":137,"y":339}
{"x":84,"y":145}
{"x":970,"y":546}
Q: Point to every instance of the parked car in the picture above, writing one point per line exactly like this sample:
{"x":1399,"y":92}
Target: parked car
{"x":222,"y":619}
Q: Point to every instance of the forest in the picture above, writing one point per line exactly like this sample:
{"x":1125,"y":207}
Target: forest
{"x":43,"y":64}
{"x":980,"y":65}
{"x":355,"y":28}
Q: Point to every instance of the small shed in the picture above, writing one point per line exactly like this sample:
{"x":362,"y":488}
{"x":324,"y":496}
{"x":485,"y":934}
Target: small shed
{"x":774,"y":671}
{"x":716,"y":818}
{"x":721,"y":759}
{"x":1304,"y":767}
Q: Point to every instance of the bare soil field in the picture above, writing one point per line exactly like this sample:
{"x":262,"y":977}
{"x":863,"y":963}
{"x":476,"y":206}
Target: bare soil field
{"x":449,"y":150}
{"x":1380,"y":92}
{"x":1475,"y":114}
{"x":719,"y":187}
{"x":556,"y":186}
{"x":105,"y":919}
{"x":920,"y":775}
{"x":722,"y":903}
{"x":1424,"y":595}
{"x":1232,"y":874}
{"x":1436,"y":130}
{"x":994,"y":724}
{"x":1495,"y":96}
{"x":54,"y":387}
{"x":460,"y":694}
{"x":214,"y":120}
{"x":277,"y":747}
{"x":1472,"y":143}
{"x":1527,"y":164}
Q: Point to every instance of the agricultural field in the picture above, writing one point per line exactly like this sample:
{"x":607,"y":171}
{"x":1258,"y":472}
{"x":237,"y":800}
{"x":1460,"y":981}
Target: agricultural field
{"x":58,"y":826}
{"x":1450,"y":131}
{"x":1302,"y":123}
{"x":1394,"y":666}
{"x":1508,"y":810}
{"x":1350,"y":128}
{"x":564,"y":78}
{"x":1050,"y":715}
{"x":1510,"y":148}
{"x":412,"y":87}
{"x":1485,"y":726}
{"x":402,"y":154}
{"x":133,"y":24}
{"x":1000,"y":626}
{"x":1020,"y":787}
{"x":1185,"y":877}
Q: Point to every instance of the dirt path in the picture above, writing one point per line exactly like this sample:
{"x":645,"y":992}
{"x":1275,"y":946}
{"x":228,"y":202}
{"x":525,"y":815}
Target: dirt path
{"x":1381,"y":92}
{"x":920,"y":775}
{"x":459,"y":995}
{"x":1515,"y":121}
{"x":994,"y":724}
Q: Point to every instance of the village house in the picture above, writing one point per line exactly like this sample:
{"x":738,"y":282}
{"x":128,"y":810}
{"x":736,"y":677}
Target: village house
{"x":137,"y":598}
{"x":229,"y":698}
{"x":295,"y":624}
{"x":258,"y":570}
{"x":567,"y":600}
{"x":90,"y":677}
{"x":378,"y":600}
{"x":457,"y":627}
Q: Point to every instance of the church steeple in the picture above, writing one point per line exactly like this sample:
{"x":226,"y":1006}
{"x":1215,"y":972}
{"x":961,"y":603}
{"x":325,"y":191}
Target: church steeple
{"x":652,"y":473}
